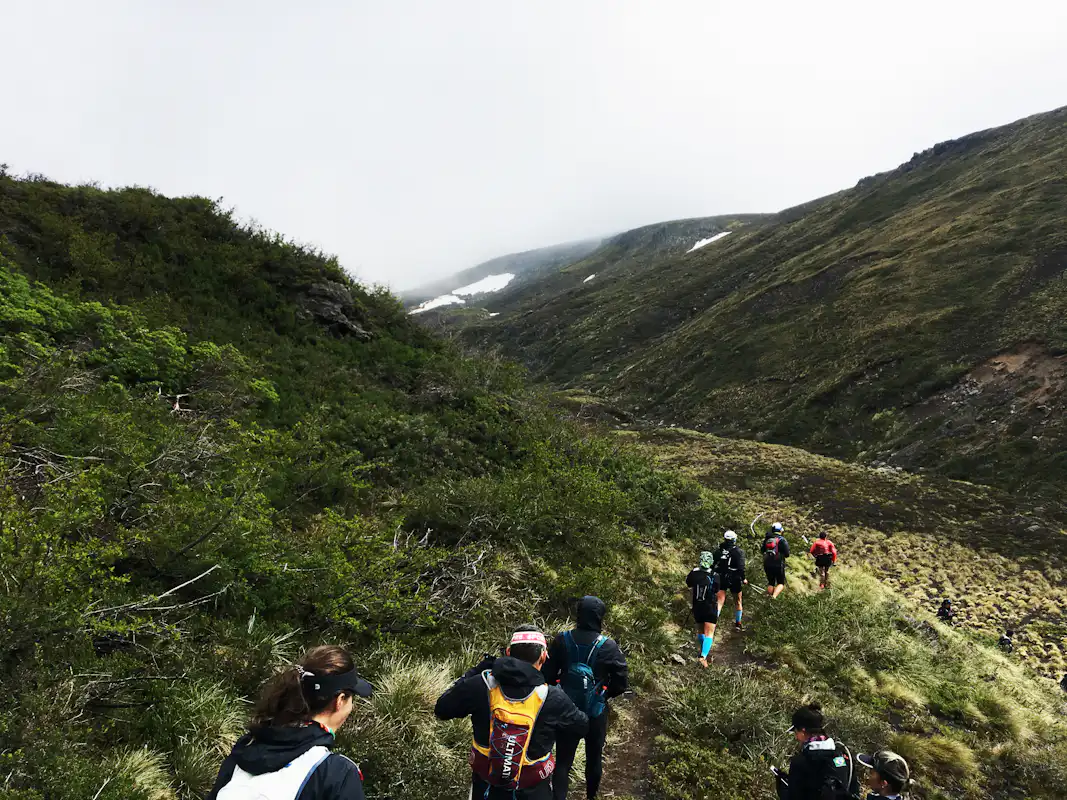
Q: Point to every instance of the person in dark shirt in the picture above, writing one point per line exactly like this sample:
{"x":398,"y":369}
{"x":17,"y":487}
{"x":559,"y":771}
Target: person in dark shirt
{"x":946,"y":613}
{"x":704,"y":583}
{"x":775,"y":551}
{"x":730,"y":564}
{"x":286,"y":754}
{"x":820,"y":762}
{"x":514,"y":682}
{"x":612,"y":679}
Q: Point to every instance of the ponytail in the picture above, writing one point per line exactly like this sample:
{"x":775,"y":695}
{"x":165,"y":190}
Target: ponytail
{"x":287,"y":698}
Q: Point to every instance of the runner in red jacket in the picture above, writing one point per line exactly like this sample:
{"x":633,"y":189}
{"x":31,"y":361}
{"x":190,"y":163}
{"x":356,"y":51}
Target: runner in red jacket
{"x":825,"y":557}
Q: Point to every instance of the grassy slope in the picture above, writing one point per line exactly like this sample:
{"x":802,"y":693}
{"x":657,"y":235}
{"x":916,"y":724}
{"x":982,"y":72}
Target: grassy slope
{"x":1002,"y":561}
{"x":178,"y":408}
{"x":972,"y":722}
{"x":419,"y":489}
{"x":829,"y":326}
{"x":615,"y":257}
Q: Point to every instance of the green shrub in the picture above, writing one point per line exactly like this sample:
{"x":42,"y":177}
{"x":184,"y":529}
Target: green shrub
{"x":691,"y":770}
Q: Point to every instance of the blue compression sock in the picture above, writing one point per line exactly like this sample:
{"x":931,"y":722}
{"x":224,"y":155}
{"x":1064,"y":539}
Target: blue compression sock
{"x":737,"y":616}
{"x":705,"y":648}
{"x":700,"y":641}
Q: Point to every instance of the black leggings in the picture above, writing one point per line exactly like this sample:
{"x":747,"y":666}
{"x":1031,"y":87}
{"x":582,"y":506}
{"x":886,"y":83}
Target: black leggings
{"x":567,"y":745}
{"x":541,"y":791}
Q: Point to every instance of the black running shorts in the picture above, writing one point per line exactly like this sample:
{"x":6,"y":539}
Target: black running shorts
{"x":730,"y":583}
{"x":775,"y":573}
{"x":704,"y":614}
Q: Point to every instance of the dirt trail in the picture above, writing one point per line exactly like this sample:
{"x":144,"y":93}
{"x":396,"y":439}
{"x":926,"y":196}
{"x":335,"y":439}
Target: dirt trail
{"x":627,"y":761}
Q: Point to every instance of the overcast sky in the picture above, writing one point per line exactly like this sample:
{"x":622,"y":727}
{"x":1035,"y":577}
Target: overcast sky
{"x":413,"y":139}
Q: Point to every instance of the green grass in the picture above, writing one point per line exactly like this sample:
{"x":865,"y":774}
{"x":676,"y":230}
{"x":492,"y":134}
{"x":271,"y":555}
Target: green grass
{"x":203,"y":476}
{"x":949,"y":704}
{"x":839,"y":325}
{"x":927,"y":537}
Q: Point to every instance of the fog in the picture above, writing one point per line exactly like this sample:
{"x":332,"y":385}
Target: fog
{"x":413,"y":139}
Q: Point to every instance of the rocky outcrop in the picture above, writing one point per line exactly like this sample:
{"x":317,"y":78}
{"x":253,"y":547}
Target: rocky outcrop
{"x":331,"y":304}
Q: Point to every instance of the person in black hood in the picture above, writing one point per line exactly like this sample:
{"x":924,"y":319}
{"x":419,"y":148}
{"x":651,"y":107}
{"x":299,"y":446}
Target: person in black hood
{"x":286,"y":753}
{"x":586,"y":645}
{"x":823,"y":768}
{"x":515,"y":719}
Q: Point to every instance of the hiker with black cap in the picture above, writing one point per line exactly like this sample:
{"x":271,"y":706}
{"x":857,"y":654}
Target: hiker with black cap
{"x":730,"y":564}
{"x":775,"y":551}
{"x":890,"y":776}
{"x":704,"y":582}
{"x":823,"y":769}
{"x":591,"y":669}
{"x":286,"y":753}
{"x":1006,"y":642}
{"x":515,"y":718}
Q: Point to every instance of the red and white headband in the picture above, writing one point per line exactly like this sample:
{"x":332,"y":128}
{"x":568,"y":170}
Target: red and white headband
{"x":529,"y":637}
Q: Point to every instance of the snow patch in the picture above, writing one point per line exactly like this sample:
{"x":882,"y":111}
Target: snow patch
{"x":709,"y":240}
{"x":589,"y":278}
{"x":494,"y":313}
{"x":490,"y":283}
{"x":437,"y":302}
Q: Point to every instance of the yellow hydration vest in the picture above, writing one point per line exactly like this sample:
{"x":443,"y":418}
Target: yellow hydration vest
{"x":511,"y":724}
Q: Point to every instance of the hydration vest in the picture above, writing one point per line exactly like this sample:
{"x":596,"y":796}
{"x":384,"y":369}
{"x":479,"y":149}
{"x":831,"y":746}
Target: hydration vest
{"x":504,"y":763}
{"x":283,"y":784}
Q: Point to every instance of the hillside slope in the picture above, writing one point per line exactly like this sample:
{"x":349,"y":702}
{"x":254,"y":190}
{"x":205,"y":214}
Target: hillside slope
{"x":918,"y":318}
{"x":525,"y":266}
{"x":216,"y":449}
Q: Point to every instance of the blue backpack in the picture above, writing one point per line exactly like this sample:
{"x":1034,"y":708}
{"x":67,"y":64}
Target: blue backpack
{"x":580,"y":683}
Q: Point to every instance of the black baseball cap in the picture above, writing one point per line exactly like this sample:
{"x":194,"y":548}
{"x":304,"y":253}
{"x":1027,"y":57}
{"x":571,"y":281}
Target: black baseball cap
{"x":891,"y":766}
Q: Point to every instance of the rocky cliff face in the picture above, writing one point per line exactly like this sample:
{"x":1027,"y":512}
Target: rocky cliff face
{"x":331,"y":304}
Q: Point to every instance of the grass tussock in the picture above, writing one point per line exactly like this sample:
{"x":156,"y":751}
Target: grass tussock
{"x":885,"y":679}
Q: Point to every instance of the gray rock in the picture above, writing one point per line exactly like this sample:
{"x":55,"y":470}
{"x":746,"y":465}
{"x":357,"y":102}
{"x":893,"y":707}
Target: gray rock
{"x":331,"y":303}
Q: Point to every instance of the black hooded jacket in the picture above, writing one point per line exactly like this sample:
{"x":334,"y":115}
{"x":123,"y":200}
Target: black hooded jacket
{"x":809,"y":768}
{"x":469,"y":697}
{"x":610,"y":667}
{"x":270,"y":749}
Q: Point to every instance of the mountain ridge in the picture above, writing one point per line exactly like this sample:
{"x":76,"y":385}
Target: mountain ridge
{"x":833,"y":324}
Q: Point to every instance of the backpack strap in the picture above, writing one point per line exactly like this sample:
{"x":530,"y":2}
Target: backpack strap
{"x":573,"y":653}
{"x":848,"y":784}
{"x":591,"y":658}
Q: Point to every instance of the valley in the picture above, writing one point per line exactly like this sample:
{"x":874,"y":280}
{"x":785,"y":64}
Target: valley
{"x":196,"y":417}
{"x":865,"y":325}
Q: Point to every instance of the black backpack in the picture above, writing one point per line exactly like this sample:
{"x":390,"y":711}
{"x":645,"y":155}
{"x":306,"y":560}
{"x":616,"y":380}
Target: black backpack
{"x":725,"y":559}
{"x":704,"y":592}
{"x":837,"y":777}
